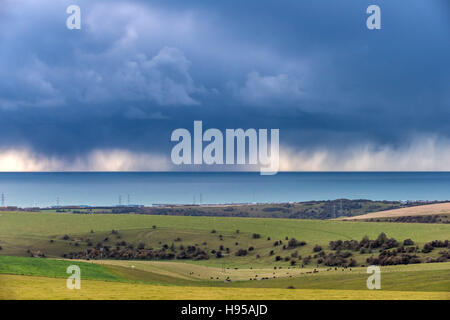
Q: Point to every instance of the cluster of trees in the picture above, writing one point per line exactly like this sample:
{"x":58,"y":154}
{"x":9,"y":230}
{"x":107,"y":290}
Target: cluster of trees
{"x":428,"y":247}
{"x":339,"y":259}
{"x":241,"y":253}
{"x":389,"y":258}
{"x":193,"y":253}
{"x":36,"y":254}
{"x":89,"y":211}
{"x":293,"y":243}
{"x":408,"y":255}
{"x":130,"y":253}
{"x":391,"y":252}
{"x":444,"y":256}
{"x":317,"y":248}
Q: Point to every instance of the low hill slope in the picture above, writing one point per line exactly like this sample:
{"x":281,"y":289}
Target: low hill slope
{"x":425,"y":210}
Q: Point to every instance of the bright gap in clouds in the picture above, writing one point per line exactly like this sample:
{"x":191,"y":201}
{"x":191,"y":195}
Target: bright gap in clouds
{"x":422,"y":154}
{"x":98,"y":160}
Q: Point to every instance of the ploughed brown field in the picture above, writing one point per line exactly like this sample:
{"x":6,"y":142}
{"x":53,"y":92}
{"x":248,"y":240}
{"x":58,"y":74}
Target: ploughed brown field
{"x":425,"y":210}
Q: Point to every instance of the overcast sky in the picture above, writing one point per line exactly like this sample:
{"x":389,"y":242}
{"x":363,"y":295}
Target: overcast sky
{"x":108,"y":96}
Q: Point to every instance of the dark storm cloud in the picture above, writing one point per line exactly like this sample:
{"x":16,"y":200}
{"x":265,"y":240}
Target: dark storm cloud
{"x":139,"y":69}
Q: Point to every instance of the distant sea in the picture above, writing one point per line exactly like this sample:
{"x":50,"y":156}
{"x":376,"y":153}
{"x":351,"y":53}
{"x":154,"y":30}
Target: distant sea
{"x":147,"y":188}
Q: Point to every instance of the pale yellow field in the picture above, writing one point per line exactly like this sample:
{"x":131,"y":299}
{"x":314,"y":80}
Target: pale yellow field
{"x":26,"y":288}
{"x":190,"y":271}
{"x":426,"y":210}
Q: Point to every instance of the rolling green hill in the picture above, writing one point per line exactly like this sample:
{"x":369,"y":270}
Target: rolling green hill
{"x":55,"y":234}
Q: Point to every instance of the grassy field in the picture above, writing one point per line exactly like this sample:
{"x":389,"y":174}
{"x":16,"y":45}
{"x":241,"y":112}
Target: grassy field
{"x":419,"y":277}
{"x":27,"y":287}
{"x":22,"y":233}
{"x":423,"y":277}
{"x":31,"y":278}
{"x":43,"y":225}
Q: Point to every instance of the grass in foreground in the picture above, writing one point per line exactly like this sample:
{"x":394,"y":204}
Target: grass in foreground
{"x":27,"y":287}
{"x":53,"y":268}
{"x":421,"y":277}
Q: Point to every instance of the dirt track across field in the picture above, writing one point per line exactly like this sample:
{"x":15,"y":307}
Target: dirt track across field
{"x":425,"y":210}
